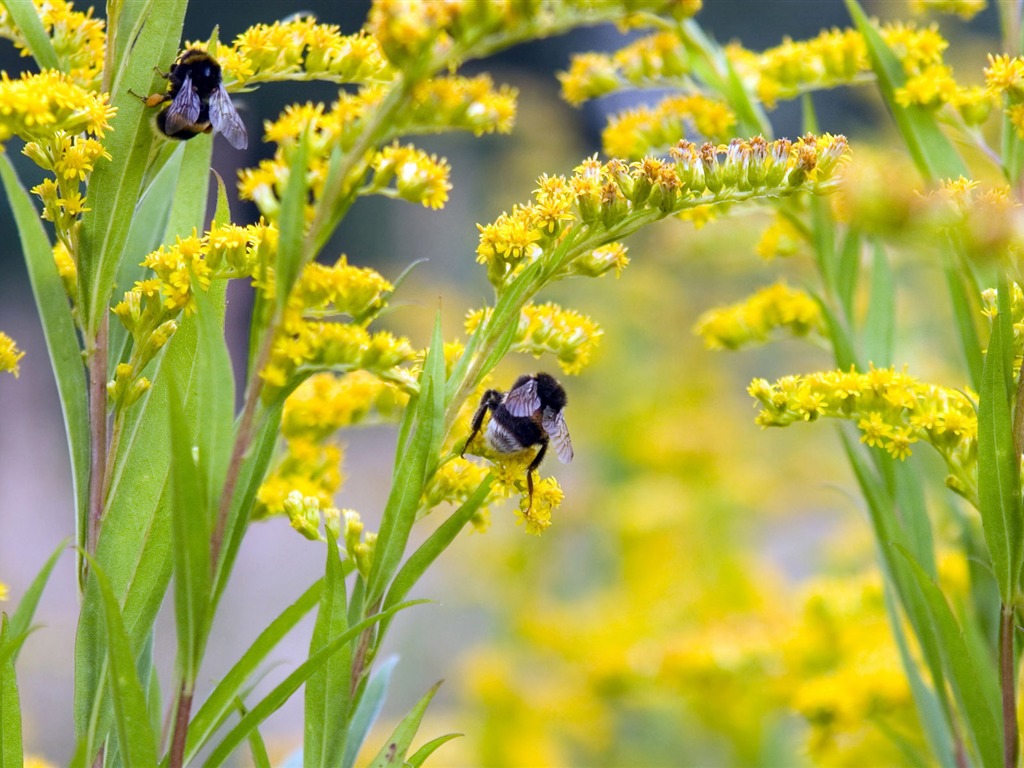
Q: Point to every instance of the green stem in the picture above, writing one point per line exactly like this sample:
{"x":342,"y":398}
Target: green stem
{"x":1007,"y":682}
{"x":97,"y":434}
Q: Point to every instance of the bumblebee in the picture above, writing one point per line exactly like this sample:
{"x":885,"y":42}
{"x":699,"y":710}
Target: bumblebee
{"x":198,"y":101}
{"x":528,"y":415}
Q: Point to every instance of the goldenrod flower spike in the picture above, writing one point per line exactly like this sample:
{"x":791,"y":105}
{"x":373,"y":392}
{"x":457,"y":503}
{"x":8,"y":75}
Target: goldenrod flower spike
{"x":892,"y":410}
{"x":752,"y":320}
{"x":9,"y":354}
{"x":78,"y":39}
{"x":36,"y":107}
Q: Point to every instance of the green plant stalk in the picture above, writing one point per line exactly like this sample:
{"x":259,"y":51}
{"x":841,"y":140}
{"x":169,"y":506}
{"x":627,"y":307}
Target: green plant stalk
{"x":97,"y":434}
{"x":1008,"y":684}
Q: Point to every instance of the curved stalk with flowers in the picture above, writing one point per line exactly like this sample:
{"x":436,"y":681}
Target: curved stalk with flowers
{"x":168,"y":477}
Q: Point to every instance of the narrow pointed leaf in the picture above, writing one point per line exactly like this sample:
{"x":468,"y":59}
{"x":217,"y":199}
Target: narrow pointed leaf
{"x":21,"y":620}
{"x":191,"y":529}
{"x":292,"y":223}
{"x":328,"y":691}
{"x":411,"y":470}
{"x":368,"y":710}
{"x":436,"y":543}
{"x":10,"y":706}
{"x":220,"y":702}
{"x":277,"y":697}
{"x":58,"y":329}
{"x":392,"y":754}
{"x":420,"y":756}
{"x":131,"y":716}
{"x":848,"y":275}
{"x":998,"y":468}
{"x":965,"y":311}
{"x":976,"y":693}
{"x":880,"y":322}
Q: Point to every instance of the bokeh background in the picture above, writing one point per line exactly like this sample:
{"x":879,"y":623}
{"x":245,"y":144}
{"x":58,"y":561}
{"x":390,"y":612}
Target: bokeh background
{"x":706,"y":593}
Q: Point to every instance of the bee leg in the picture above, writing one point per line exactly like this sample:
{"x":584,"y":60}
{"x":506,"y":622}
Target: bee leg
{"x":490,"y":399}
{"x":164,"y":75}
{"x":533,"y":468}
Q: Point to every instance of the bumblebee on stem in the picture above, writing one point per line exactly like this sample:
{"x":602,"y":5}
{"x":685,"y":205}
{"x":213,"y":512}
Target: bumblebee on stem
{"x":198,"y":101}
{"x":528,"y":415}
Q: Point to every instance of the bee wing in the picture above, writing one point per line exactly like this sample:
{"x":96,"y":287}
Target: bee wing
{"x":225,"y":119}
{"x":184,"y":109}
{"x":523,"y":400}
{"x":558,"y":432}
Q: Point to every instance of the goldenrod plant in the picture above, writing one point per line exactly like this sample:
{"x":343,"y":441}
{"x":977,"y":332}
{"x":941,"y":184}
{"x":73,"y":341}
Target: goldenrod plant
{"x":130,"y":281}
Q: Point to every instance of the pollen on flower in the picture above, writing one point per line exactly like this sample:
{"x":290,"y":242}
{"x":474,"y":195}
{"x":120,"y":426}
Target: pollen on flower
{"x":536,"y":517}
{"x":9,"y":354}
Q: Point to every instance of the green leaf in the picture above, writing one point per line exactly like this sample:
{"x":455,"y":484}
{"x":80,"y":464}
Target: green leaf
{"x":279,"y":695}
{"x":10,"y":706}
{"x":976,"y":693}
{"x":839,"y":335}
{"x":998,"y":469}
{"x":292,"y":223}
{"x":934,"y":155}
{"x":220,"y":702}
{"x":145,"y":236}
{"x":260,"y":756}
{"x":254,"y":470}
{"x":848,"y":274}
{"x":880,"y":322}
{"x":215,"y":393}
{"x":58,"y":329}
{"x":436,"y":543}
{"x":392,"y":754}
{"x":22,"y":618}
{"x":27,"y":20}
{"x":124,"y":22}
{"x":192,"y":191}
{"x":368,"y":710}
{"x":191,"y":528}
{"x":964,"y":298}
{"x":115,"y":184}
{"x":421,"y":754}
{"x":328,"y":690}
{"x":131,"y":716}
{"x":929,"y":708}
{"x":412,"y":470}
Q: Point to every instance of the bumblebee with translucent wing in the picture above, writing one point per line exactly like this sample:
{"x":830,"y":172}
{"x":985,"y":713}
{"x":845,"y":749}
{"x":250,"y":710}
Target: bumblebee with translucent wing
{"x":528,"y":415}
{"x":198,"y":101}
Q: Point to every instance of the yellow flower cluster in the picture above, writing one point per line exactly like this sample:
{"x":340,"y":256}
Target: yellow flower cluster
{"x":652,"y":130}
{"x":611,"y":195}
{"x":71,"y":159}
{"x":1004,"y":81}
{"x":417,"y":177}
{"x":38,"y":107}
{"x":654,"y":61}
{"x":752,"y":320}
{"x":570,"y":336}
{"x":449,"y":103}
{"x":780,"y":239}
{"x":308,"y":340}
{"x":78,"y":39}
{"x":3,"y":591}
{"x":411,"y":31}
{"x":309,"y":472}
{"x":843,"y":682}
{"x":453,"y":483}
{"x":965,"y":9}
{"x":9,"y":354}
{"x":300,"y":49}
{"x":839,"y":57}
{"x":892,"y":409}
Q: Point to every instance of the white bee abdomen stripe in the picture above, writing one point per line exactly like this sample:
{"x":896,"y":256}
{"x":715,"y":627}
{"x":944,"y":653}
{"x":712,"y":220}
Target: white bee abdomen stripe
{"x":500,"y":439}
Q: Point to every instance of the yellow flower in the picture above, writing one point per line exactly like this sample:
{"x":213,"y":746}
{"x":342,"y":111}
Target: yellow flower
{"x":965,"y":9}
{"x":536,"y":516}
{"x":9,"y":354}
{"x":752,"y":320}
{"x":78,"y":39}
{"x":35,"y":107}
{"x":3,"y":591}
{"x":418,"y":178}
